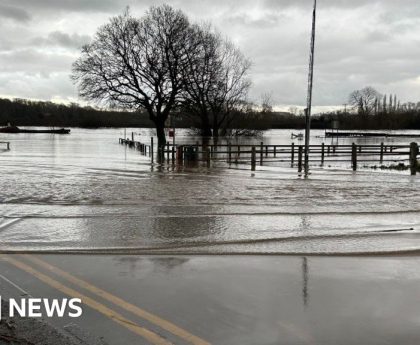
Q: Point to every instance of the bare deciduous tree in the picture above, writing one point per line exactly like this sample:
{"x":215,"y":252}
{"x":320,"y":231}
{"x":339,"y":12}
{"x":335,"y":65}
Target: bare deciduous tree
{"x":137,"y":63}
{"x":216,"y":82}
{"x":364,"y":100}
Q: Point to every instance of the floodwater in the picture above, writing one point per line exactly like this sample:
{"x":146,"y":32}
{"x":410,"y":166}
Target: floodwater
{"x":85,"y":192}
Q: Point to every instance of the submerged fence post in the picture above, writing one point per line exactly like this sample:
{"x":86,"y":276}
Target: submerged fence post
{"x":323,"y":154}
{"x":151,"y":148}
{"x":132,"y":136}
{"x":414,"y":151}
{"x":293,"y":154}
{"x":229,"y":153}
{"x":354,"y":156}
{"x":300,"y":154}
{"x":381,"y":158}
{"x":261,"y":153}
{"x":179,"y":155}
{"x":253,"y":158}
{"x":208,"y":157}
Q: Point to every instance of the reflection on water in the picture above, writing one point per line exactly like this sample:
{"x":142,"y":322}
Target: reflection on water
{"x":85,"y":191}
{"x":134,"y":264}
{"x":305,"y":273}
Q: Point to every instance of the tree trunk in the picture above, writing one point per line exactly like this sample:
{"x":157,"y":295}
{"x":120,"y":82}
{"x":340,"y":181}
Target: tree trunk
{"x":205,"y":126}
{"x":160,"y":132}
{"x":215,"y":127}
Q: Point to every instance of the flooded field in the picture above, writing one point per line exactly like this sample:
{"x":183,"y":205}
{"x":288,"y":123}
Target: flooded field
{"x":85,"y":192}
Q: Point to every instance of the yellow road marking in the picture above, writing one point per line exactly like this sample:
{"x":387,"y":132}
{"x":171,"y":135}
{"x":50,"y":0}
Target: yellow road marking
{"x":118,"y":318}
{"x":170,"y":327}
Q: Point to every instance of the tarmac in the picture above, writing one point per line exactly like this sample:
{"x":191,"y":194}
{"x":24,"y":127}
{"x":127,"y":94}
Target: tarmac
{"x":140,"y":299}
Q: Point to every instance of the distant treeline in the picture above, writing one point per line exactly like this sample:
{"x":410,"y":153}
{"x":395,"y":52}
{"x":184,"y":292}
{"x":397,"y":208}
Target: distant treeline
{"x":403,"y":119}
{"x":21,"y":112}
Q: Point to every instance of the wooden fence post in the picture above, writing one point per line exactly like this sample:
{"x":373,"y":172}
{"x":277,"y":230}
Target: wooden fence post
{"x":151,"y":148}
{"x":132,"y":136}
{"x":275,"y":150}
{"x":293,"y":154}
{"x":323,"y":154}
{"x":381,"y":157}
{"x":229,"y":153}
{"x":414,"y":151}
{"x":354,"y":156}
{"x":300,"y":154}
{"x":266,"y":150}
{"x":173,"y":154}
{"x":208,"y":157}
{"x":253,"y":158}
{"x":261,"y":153}
{"x":179,"y":154}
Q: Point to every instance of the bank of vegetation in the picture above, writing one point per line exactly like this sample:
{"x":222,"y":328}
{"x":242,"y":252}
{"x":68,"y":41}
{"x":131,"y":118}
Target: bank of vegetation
{"x":370,"y":109}
{"x":22,"y":112}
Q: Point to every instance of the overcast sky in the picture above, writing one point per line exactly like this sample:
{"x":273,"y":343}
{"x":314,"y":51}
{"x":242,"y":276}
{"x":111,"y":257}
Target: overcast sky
{"x":359,"y":43}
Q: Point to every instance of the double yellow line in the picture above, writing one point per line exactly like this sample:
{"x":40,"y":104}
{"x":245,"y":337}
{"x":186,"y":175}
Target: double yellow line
{"x":115,"y":316}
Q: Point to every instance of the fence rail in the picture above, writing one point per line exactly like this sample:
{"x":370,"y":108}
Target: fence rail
{"x":292,"y":153}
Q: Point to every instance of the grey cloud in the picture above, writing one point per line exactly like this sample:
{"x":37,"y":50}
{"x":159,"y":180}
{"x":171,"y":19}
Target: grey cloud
{"x":37,"y":86}
{"x":377,"y":35}
{"x":14,"y":13}
{"x":62,"y":39}
{"x":346,"y":4}
{"x":359,"y":43}
{"x":31,"y":61}
{"x":56,"y":6}
{"x":66,"y":40}
{"x":268,"y":20}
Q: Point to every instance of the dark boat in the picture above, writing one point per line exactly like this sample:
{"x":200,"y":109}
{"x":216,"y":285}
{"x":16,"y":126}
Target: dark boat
{"x":14,"y":129}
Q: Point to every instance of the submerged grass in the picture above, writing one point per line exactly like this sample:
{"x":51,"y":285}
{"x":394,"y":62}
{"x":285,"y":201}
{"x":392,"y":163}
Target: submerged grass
{"x":398,"y":167}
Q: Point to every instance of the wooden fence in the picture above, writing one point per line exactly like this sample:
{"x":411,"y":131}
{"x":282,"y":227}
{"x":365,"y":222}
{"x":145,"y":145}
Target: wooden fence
{"x":292,"y":154}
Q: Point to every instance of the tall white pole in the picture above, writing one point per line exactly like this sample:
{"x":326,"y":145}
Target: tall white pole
{"x":308,"y":111}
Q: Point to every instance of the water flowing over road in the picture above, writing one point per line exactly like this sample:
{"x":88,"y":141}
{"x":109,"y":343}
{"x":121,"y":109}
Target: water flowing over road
{"x":85,"y":192}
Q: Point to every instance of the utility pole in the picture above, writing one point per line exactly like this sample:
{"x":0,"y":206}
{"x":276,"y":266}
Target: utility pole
{"x":308,"y":109}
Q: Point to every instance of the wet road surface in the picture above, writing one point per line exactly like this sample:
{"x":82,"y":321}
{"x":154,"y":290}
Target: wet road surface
{"x":227,"y":300}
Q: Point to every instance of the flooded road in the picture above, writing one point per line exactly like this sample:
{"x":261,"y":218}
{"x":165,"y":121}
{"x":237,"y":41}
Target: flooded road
{"x":85,"y":192}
